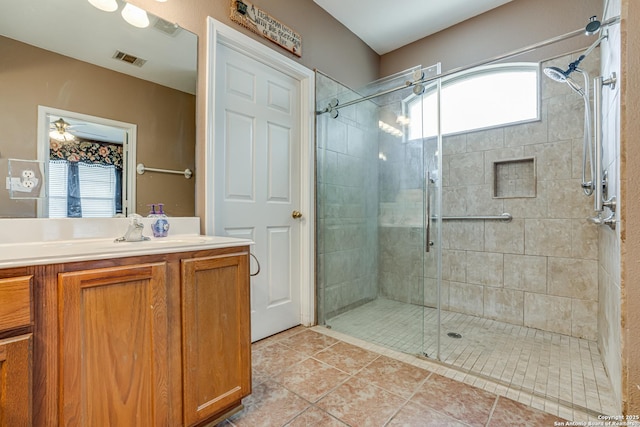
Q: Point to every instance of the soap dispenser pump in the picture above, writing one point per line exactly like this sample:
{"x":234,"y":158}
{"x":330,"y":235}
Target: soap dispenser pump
{"x":160,"y":226}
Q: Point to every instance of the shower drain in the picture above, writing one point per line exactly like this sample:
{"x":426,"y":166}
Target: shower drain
{"x":454,"y":335}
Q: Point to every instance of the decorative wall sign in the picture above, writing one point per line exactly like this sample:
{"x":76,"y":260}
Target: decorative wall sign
{"x":260,"y":22}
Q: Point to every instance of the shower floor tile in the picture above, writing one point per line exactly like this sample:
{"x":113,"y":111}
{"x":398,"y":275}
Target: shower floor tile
{"x":545,"y":370}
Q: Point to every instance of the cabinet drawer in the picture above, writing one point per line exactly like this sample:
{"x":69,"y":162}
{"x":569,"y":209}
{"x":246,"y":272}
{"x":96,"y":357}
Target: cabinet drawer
{"x":15,"y":302}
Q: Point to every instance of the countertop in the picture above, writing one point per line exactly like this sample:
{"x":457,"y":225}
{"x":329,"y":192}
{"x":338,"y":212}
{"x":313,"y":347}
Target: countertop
{"x":55,"y":252}
{"x":42,"y":241}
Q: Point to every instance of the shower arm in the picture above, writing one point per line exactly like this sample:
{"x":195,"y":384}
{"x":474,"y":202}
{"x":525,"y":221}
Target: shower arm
{"x":574,"y":64}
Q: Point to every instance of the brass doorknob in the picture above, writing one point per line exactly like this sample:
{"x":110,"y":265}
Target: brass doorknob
{"x":296,"y":214}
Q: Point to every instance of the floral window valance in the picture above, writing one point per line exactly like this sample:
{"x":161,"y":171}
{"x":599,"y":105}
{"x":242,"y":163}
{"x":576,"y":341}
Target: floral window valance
{"x":85,"y":151}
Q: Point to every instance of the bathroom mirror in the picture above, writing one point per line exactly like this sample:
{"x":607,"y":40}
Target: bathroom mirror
{"x":71,"y":56}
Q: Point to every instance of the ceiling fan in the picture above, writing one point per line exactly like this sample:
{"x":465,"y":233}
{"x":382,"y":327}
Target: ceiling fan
{"x":75,"y":130}
{"x":59,"y":130}
{"x":63,"y":131}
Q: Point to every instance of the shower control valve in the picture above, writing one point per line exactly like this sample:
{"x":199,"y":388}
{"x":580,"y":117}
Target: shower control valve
{"x":610,"y":203}
{"x":610,"y":220}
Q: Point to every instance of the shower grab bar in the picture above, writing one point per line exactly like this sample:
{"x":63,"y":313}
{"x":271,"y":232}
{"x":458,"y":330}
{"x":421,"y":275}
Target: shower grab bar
{"x":599,"y":178}
{"x":597,"y":142}
{"x":506,"y":217}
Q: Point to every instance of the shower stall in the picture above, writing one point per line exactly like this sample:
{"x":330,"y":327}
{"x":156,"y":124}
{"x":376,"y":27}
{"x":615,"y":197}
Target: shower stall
{"x":466,"y":245}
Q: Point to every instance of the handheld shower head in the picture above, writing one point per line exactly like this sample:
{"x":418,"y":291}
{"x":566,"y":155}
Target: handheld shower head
{"x":556,"y":74}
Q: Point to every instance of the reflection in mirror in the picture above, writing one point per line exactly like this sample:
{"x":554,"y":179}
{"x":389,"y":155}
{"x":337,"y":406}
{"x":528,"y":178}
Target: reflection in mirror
{"x":87,"y":161}
{"x":72,"y":57}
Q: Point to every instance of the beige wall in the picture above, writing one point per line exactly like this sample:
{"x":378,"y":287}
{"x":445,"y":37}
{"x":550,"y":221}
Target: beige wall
{"x":630,"y":201}
{"x":507,"y":28}
{"x":326,"y":44}
{"x":165,"y":118}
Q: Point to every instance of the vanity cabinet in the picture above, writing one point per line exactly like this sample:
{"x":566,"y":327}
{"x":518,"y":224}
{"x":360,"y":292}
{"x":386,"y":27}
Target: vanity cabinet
{"x":216,"y":342}
{"x":154,"y":340}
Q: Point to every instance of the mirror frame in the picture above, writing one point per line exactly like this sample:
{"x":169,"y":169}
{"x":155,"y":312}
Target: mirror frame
{"x":129,"y":154}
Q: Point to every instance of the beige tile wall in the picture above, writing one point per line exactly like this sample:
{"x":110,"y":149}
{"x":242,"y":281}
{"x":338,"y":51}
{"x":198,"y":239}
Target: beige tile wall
{"x":539,"y":270}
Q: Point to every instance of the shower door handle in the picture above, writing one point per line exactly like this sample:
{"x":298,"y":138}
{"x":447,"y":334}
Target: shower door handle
{"x":427,"y":212}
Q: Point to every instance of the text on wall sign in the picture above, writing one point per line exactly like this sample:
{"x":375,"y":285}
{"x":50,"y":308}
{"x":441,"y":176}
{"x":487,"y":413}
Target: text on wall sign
{"x":260,"y":22}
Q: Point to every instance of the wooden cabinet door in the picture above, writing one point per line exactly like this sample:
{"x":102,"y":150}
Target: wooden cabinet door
{"x":216,"y":335}
{"x":113,"y":334}
{"x":15,"y":381}
{"x":15,"y":302}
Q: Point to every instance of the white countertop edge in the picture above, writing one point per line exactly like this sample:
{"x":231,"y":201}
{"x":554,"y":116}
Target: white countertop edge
{"x":36,"y":230}
{"x":99,"y":249}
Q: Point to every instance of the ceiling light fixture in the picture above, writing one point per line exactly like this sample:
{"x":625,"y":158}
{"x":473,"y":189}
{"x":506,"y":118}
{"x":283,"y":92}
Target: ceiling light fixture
{"x":106,"y":5}
{"x":60,"y":132}
{"x":135,"y":16}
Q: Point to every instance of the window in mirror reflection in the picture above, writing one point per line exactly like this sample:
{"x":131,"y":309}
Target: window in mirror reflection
{"x":85,"y":179}
{"x":87,"y":166}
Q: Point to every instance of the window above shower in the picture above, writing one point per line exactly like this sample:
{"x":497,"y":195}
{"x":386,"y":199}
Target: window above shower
{"x":484,"y":97}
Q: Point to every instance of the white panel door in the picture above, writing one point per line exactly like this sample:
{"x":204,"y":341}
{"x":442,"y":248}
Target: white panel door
{"x":257,"y":181}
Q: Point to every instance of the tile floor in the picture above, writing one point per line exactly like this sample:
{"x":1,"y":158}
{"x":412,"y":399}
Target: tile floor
{"x":560,"y":369}
{"x":314,"y":377}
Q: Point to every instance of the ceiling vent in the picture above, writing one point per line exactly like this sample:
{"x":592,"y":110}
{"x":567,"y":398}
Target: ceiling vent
{"x":130,"y":59}
{"x":166,"y":27}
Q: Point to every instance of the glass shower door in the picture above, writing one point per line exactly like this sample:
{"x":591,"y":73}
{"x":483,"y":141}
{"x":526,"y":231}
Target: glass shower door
{"x":375,"y":230}
{"x":424,"y":110}
{"x":401,"y":221}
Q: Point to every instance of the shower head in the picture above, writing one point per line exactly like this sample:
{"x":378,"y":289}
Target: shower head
{"x":593,"y":26}
{"x":556,"y":74}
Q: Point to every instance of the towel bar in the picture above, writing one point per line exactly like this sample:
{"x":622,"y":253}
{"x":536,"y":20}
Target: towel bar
{"x":141,"y":168}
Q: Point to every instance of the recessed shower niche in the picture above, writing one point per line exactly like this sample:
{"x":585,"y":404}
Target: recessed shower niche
{"x":514,"y":178}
